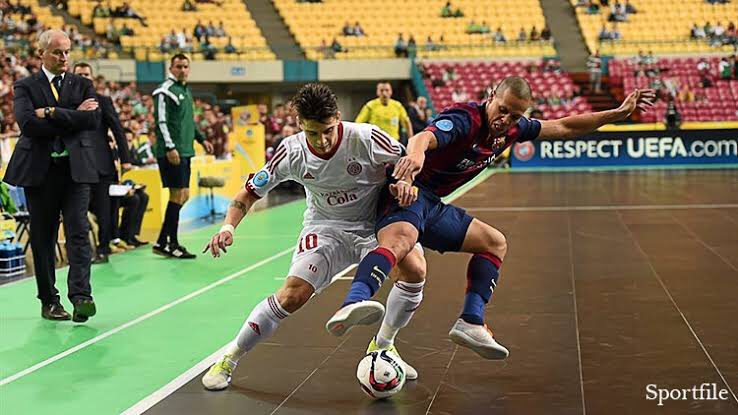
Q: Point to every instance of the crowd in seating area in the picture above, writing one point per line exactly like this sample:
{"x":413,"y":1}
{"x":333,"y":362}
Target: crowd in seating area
{"x":555,"y":94}
{"x":349,"y":29}
{"x":699,"y":89}
{"x":205,"y":29}
{"x":622,"y":27}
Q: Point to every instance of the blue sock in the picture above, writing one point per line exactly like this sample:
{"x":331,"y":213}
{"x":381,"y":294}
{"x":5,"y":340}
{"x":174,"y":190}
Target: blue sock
{"x":370,"y":275}
{"x":481,"y":276}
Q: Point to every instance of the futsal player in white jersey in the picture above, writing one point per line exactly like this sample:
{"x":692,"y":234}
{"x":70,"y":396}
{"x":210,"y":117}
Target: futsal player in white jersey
{"x":342,"y":167}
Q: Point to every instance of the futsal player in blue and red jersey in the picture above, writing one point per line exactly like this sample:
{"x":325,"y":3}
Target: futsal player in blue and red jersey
{"x":460,"y":144}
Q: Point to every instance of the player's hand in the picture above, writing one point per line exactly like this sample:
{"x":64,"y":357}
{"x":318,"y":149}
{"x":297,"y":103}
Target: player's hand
{"x":88,"y":105}
{"x":409,"y":166}
{"x":405,"y":193}
{"x":208,"y":146}
{"x":126,"y":167}
{"x":173,"y":156}
{"x":218,"y":243}
{"x":641,"y":99}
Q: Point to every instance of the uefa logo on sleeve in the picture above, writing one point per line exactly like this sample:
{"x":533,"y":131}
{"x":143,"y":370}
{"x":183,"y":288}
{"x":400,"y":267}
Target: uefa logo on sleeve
{"x":524,"y":151}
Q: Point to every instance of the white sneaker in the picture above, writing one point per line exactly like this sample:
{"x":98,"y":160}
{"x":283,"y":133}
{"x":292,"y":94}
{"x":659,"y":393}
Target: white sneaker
{"x":219,"y":375}
{"x":478,"y":338}
{"x":361,"y":313}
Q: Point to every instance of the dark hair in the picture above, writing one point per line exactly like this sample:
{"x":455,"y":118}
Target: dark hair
{"x":178,"y":56}
{"x":517,"y":85}
{"x":127,"y":130}
{"x":82,"y":65}
{"x":315,"y":102}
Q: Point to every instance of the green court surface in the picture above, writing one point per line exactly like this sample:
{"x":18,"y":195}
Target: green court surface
{"x":146,"y":304}
{"x":157,"y":318}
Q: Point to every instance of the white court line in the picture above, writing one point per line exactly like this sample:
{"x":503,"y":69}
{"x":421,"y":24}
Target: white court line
{"x":146,"y":403}
{"x":576,"y":313}
{"x":601,"y":207}
{"x":166,"y":390}
{"x":159,"y":310}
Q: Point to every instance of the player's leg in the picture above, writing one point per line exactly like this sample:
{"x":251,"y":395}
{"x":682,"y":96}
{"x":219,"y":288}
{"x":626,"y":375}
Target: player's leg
{"x":259,"y":325}
{"x":404,"y":298}
{"x":488,"y":246}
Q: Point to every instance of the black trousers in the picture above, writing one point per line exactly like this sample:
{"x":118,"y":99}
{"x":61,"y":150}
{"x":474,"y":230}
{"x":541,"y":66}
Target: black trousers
{"x":58,"y":193}
{"x":134,"y":208}
{"x":101,"y":206}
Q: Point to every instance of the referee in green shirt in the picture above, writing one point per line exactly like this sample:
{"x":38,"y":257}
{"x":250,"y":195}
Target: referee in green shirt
{"x":175,"y":133}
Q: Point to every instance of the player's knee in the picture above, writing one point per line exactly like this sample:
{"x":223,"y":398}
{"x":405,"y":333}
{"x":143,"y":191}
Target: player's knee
{"x":294,"y":295}
{"x":401,"y":241}
{"x":412,"y":269}
{"x":496,"y":243}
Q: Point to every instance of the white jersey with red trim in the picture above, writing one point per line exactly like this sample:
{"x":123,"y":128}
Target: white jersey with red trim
{"x":342,"y":187}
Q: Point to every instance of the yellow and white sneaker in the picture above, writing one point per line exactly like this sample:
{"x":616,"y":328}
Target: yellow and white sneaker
{"x":219,"y":375}
{"x":410,"y":372}
{"x":478,"y":338}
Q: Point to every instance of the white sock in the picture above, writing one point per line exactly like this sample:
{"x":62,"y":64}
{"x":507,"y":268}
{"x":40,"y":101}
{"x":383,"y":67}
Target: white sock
{"x":402,"y":302}
{"x":259,"y":325}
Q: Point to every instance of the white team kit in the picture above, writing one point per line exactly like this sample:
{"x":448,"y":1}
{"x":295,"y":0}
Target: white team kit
{"x":342,"y":190}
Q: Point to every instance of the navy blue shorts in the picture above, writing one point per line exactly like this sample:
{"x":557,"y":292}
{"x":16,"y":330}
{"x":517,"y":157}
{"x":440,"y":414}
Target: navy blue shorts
{"x":174,"y":177}
{"x":441,"y":227}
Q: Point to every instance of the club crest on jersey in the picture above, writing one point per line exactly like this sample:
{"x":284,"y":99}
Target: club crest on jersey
{"x":354,"y":168}
{"x":261,"y":178}
{"x":445,"y":125}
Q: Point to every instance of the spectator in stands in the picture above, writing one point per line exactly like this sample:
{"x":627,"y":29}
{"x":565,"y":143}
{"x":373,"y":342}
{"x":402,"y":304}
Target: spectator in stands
{"x":447,"y":11}
{"x":546,"y":33}
{"x":126,"y":11}
{"x":100,"y":11}
{"x":189,"y":6}
{"x":617,"y":12}
{"x":210,"y":29}
{"x":327,"y":51}
{"x":594,"y":63}
{"x":127,"y":31}
{"x":412,"y":47}
{"x":703,"y":70}
{"x":725,"y":69}
{"x":199,"y":31}
{"x":522,"y":35}
{"x":337,"y":47}
{"x":416,"y":112}
{"x":709,"y":31}
{"x":593,"y":8}
{"x":429,"y":45}
{"x":604,"y":34}
{"x":358,"y":30}
{"x":217,"y":132}
{"x":472,"y":28}
{"x":182,"y":41}
{"x":484,"y":27}
{"x":629,"y":8}
{"x":459,"y":95}
{"x":731,"y":35}
{"x":673,"y":118}
{"x":615,"y":33}
{"x":220,"y":30}
{"x":229,"y":48}
{"x":400,"y":47}
{"x":499,"y":36}
{"x":208,"y":49}
{"x":449,"y":74}
{"x":697,"y":32}
{"x":347,"y":30}
{"x":534,"y":35}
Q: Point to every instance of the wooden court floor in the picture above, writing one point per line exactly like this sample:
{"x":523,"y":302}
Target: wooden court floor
{"x":613,"y":281}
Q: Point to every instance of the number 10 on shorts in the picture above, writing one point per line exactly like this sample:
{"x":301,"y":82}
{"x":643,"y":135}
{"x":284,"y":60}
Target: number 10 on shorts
{"x":310,"y":241}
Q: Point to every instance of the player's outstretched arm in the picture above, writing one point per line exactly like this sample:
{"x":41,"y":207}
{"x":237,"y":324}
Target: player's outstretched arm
{"x":577,"y":125}
{"x":236,"y":212}
{"x":410,"y":165}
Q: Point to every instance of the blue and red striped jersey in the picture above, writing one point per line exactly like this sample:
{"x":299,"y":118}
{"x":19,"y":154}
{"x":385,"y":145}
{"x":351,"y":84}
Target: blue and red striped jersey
{"x":465,"y":147}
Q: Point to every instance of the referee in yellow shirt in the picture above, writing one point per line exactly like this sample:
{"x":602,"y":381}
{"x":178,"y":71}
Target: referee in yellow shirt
{"x":386,"y":113}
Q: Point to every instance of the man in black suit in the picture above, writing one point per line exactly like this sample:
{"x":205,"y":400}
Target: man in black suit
{"x":54,"y":160}
{"x":100,"y":196}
